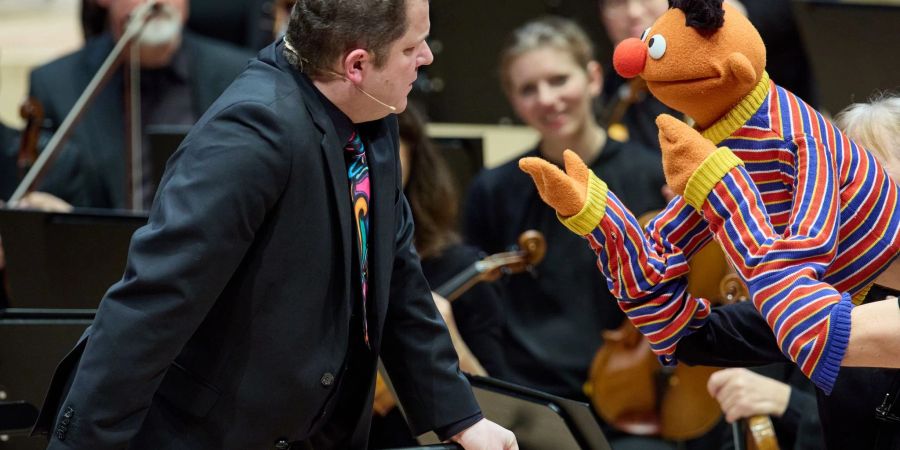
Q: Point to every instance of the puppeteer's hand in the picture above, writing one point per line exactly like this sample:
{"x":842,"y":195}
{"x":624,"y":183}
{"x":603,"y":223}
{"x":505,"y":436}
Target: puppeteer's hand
{"x":683,"y":150}
{"x":563,"y":191}
{"x":486,"y":435}
{"x":743,"y":394}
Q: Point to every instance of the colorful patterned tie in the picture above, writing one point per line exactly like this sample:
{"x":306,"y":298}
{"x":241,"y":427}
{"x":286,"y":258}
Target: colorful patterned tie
{"x":358,"y":173}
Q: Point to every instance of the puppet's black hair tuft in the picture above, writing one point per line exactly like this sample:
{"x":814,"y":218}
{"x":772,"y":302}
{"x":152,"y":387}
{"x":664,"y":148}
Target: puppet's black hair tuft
{"x":705,"y":15}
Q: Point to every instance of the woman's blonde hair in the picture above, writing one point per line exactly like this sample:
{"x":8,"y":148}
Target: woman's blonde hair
{"x":876,"y":126}
{"x":550,"y":31}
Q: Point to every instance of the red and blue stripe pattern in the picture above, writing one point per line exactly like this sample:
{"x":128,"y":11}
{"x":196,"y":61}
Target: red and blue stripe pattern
{"x":648,"y":275}
{"x":809,"y":221}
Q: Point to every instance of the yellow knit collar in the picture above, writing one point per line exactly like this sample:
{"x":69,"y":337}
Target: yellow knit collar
{"x":740,"y":114}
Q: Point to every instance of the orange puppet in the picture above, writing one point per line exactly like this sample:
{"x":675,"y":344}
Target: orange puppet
{"x":807,"y":217}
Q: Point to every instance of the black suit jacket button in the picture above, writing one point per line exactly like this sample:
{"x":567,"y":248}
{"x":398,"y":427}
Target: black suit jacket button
{"x":282,"y":444}
{"x":327,"y":379}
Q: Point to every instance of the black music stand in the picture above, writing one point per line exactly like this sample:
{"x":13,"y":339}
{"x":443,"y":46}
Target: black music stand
{"x":163,"y":140}
{"x":60,"y":260}
{"x":539,"y":420}
{"x":30,"y":351}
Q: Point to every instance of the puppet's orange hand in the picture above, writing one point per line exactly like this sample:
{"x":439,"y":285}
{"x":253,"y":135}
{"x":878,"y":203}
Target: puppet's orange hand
{"x":683,"y":150}
{"x":563,"y":191}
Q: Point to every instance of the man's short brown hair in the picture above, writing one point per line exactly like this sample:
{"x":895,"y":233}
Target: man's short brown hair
{"x":322,"y":31}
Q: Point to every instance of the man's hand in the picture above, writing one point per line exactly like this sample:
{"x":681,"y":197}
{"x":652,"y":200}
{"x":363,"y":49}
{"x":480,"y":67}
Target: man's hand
{"x":742,"y":394}
{"x":683,"y":151}
{"x":564,"y":192}
{"x":486,"y":435}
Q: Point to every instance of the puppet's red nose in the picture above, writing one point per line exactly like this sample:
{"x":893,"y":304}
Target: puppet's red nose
{"x":629,"y":57}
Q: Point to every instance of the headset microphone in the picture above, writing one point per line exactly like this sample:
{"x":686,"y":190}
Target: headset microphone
{"x":292,"y":50}
{"x":392,"y":108}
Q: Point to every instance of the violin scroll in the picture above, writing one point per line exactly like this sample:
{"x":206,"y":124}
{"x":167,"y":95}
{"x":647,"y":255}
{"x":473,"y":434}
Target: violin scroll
{"x":32,"y":112}
{"x":533,"y":246}
{"x":733,"y":290}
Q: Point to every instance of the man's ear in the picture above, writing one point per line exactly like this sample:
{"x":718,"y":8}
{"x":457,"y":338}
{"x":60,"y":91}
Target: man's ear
{"x":103,"y":3}
{"x":354,"y":65}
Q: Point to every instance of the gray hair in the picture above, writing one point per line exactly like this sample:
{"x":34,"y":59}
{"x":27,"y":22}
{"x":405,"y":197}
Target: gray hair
{"x":875,"y":126}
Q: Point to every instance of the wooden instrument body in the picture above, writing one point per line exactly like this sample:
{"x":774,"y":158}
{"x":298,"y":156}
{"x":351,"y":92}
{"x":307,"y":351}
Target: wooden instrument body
{"x":633,"y":392}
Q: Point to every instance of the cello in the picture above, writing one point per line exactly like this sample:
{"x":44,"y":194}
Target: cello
{"x":632,"y":392}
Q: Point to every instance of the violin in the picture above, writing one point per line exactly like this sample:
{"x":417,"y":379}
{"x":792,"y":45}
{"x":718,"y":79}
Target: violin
{"x":32,"y":112}
{"x":531,"y":250}
{"x":632,"y":392}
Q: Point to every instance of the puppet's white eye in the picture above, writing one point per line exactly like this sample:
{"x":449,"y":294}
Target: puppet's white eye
{"x":645,"y":33}
{"x":657,"y":46}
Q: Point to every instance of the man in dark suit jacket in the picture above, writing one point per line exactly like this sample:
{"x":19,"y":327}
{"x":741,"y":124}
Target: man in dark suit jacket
{"x":180,"y":78}
{"x":246,"y":317}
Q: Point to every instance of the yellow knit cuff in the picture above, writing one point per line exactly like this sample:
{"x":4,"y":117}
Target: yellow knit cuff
{"x":710,"y":172}
{"x":593,"y":210}
{"x":861,"y":295}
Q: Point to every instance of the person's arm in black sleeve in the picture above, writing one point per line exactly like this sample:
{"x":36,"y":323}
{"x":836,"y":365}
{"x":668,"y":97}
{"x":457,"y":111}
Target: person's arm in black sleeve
{"x":416,"y":348}
{"x":446,"y":432}
{"x":734,"y":336}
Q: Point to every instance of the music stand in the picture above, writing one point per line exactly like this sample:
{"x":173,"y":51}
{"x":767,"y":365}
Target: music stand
{"x":64,"y":260}
{"x":163,"y":140}
{"x":31,"y":350}
{"x":539,"y":420}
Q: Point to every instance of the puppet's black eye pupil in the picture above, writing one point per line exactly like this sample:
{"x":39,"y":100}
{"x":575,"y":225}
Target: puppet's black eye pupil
{"x":650,"y":44}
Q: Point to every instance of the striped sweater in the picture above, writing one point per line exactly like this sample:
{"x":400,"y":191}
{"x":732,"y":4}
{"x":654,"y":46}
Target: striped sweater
{"x":807,"y":217}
